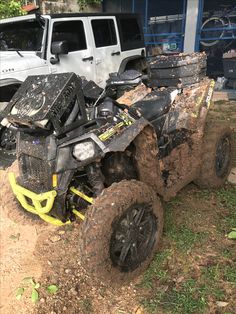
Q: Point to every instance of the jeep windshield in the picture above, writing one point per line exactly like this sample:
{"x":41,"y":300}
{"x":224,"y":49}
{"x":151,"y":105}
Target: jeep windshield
{"x":23,"y":35}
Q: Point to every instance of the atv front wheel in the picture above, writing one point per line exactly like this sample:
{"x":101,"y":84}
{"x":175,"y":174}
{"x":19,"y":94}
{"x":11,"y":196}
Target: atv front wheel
{"x":216,"y":158}
{"x":121,"y":232}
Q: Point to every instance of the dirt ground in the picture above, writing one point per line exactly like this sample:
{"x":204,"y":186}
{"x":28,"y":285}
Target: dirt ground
{"x":48,"y":255}
{"x":195,"y":272}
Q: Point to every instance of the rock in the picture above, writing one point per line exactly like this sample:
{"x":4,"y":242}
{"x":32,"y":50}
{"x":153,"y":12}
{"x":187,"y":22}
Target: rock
{"x":42,"y":300}
{"x":55,"y":238}
{"x":232,"y":176}
{"x":73,"y":291}
{"x":62,"y":232}
{"x":139,"y":310}
{"x":67,"y":271}
{"x":221,"y":303}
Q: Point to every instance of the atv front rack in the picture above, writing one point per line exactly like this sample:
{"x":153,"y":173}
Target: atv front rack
{"x":36,"y":200}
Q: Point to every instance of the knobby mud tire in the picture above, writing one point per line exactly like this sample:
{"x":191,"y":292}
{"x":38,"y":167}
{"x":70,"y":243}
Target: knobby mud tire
{"x":97,"y":229}
{"x":224,"y":113}
{"x":208,"y":177}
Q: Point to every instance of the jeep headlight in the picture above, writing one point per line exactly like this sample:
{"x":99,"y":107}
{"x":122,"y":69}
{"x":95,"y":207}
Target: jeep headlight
{"x":83,"y":151}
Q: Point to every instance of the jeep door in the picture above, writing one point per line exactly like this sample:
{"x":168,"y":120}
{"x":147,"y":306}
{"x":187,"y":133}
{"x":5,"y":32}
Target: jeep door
{"x":106,"y":44}
{"x":76,"y":33}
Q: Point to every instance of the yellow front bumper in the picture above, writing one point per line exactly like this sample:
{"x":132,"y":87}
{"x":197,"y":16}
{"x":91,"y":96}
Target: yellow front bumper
{"x":37,"y":199}
{"x":36,"y":207}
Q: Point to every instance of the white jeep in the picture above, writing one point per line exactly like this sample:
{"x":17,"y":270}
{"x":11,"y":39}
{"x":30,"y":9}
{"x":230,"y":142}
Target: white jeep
{"x":91,"y":45}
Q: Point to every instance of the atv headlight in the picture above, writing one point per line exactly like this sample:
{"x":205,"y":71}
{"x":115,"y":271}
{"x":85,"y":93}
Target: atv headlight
{"x":83,"y":151}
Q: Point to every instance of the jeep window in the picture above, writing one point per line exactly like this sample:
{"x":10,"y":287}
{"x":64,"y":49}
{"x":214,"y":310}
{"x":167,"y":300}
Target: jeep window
{"x":25,"y":36}
{"x":130,"y":30}
{"x":72,"y":32}
{"x":104,"y":32}
{"x":130,"y":33}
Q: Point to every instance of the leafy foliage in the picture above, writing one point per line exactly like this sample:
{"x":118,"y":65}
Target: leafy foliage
{"x":85,"y":3}
{"x":19,"y":293}
{"x":34,"y":296}
{"x":52,"y":289}
{"x":10,"y":8}
{"x":28,"y":284}
{"x":232,"y":234}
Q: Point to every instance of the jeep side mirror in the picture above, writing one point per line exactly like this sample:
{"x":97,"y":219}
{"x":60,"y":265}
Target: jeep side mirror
{"x":58,"y":48}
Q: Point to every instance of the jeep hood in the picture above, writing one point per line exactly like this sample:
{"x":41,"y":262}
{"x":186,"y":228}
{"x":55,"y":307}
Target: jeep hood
{"x":19,"y":65}
{"x":13,"y":62}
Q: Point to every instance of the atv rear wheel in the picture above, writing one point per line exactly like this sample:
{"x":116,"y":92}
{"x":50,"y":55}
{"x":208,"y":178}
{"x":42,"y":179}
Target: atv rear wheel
{"x":121,"y":232}
{"x":217,"y":156}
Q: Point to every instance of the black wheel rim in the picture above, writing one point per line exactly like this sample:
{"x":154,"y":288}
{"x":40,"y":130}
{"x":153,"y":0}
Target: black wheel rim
{"x":133,"y":237}
{"x":7,"y":142}
{"x":223,"y":156}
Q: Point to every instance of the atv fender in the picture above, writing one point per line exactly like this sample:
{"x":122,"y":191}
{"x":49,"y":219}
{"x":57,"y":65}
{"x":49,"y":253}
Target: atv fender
{"x":120,"y":142}
{"x":143,"y":136}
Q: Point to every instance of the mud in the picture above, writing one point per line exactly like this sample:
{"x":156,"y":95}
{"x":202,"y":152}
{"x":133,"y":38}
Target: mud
{"x":19,"y":235}
{"x":9,"y":201}
{"x":225,"y":112}
{"x":146,"y":159}
{"x":134,"y":95}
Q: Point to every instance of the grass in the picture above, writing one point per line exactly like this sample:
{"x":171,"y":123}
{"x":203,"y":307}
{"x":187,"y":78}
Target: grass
{"x":182,"y":236}
{"x":230,"y":274}
{"x":185,"y":238}
{"x":157,"y":270}
{"x":183,"y":277}
{"x":219,"y":272}
{"x":186,"y":299}
{"x":87,"y":305}
{"x":204,"y":194}
{"x":227,"y":199}
{"x":189,"y":298}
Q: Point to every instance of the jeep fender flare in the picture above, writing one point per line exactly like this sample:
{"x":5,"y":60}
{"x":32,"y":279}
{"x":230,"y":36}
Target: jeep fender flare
{"x":9,"y":81}
{"x":8,"y":87}
{"x":127,"y":60}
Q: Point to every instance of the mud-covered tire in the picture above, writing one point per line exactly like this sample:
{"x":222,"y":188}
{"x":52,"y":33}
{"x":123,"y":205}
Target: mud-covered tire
{"x":210,"y":174}
{"x":98,"y":228}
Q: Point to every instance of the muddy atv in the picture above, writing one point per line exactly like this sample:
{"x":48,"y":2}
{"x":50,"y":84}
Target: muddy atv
{"x":7,"y":142}
{"x":82,"y":154}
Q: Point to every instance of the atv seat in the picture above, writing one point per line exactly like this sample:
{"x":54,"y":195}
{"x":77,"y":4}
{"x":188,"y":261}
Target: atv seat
{"x":154,"y":104}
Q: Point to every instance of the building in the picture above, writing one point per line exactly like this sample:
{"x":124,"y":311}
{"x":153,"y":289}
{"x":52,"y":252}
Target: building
{"x":184,"y":25}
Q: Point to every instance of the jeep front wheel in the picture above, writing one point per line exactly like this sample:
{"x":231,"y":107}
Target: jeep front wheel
{"x":121,"y":232}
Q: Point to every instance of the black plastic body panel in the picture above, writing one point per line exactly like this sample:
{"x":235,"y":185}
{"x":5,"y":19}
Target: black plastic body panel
{"x":229,"y":68}
{"x":48,"y":97}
